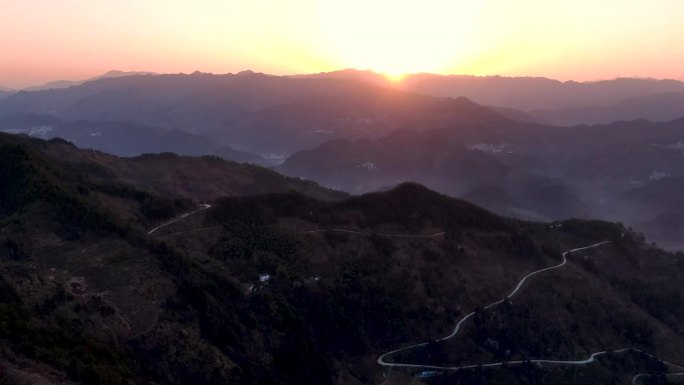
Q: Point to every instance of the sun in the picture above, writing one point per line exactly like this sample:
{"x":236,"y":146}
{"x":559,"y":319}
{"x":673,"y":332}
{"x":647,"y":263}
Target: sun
{"x":394,"y":76}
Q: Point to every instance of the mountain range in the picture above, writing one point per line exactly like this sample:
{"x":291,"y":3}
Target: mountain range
{"x":355,"y":131}
{"x":123,"y":138}
{"x":656,"y":108}
{"x":196,"y":103}
{"x":4,"y":92}
{"x":266,"y":115}
{"x":174,"y":270}
{"x":517,"y":169}
{"x":548,"y":100}
{"x":69,"y":83}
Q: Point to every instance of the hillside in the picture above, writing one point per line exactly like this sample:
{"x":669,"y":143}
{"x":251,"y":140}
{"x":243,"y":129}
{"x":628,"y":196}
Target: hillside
{"x":196,"y":178}
{"x":535,"y":171}
{"x":247,"y":289}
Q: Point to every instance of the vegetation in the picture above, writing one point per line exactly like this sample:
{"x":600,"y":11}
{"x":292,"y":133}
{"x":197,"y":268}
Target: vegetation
{"x":241,"y":294}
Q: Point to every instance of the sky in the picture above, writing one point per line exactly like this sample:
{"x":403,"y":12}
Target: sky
{"x":45,"y":40}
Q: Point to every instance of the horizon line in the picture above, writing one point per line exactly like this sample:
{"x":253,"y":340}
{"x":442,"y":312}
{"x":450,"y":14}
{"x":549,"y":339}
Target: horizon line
{"x":390,"y":78}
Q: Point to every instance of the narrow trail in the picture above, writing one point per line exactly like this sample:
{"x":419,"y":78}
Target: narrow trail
{"x":203,"y":207}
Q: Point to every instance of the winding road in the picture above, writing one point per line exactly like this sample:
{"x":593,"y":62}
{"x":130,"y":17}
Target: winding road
{"x":592,"y":357}
{"x":457,"y":328}
{"x":203,"y":206}
{"x":381,"y":360}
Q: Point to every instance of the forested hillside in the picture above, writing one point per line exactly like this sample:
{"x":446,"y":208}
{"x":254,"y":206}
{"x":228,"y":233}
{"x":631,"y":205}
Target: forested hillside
{"x":285,"y":288}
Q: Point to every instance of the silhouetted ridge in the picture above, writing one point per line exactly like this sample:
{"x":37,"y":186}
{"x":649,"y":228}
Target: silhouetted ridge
{"x":410,"y":206}
{"x":417,"y":207}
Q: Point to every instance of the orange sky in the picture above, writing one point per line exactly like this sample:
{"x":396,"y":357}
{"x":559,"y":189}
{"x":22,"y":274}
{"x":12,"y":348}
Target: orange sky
{"x":44,"y":40}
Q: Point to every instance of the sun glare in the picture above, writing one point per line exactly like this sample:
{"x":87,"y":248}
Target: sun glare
{"x":394,"y":77}
{"x":429,"y":38}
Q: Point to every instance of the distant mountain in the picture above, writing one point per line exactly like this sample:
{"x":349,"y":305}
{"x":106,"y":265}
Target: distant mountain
{"x":125,"y":139}
{"x":660,"y":204}
{"x":519,"y":116}
{"x":524,"y":93}
{"x":268,"y":115}
{"x":517,"y":169}
{"x":368,"y":112}
{"x":4,"y":92}
{"x":656,"y":108}
{"x":229,"y":153}
{"x":667,"y":228}
{"x":195,"y":103}
{"x":118,"y":138}
{"x":70,"y":83}
{"x":366,"y":76}
{"x":659,"y":193}
{"x":275,"y":116}
{"x":452,"y":163}
{"x":205,"y":102}
{"x":369,"y":165}
{"x":534,"y":93}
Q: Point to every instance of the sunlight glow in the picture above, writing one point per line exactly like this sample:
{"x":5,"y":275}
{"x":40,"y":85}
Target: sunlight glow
{"x":398,"y":37}
{"x":579,"y":39}
{"x":395,"y":77}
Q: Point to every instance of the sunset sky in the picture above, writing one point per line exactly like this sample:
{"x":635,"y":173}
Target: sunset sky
{"x":44,"y":40}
